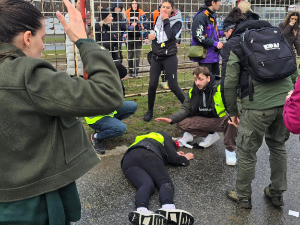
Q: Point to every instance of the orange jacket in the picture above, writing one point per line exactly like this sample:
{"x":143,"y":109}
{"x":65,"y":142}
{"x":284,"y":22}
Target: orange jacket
{"x":127,"y":13}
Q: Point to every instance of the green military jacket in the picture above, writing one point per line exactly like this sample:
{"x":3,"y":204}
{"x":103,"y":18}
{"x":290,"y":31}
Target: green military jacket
{"x":266,"y":95}
{"x":44,"y":145}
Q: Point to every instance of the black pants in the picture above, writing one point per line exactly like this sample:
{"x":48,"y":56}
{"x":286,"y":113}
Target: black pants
{"x":169,"y":64}
{"x":145,"y":170}
{"x":213,"y":67}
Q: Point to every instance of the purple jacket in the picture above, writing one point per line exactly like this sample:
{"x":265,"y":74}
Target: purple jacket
{"x":204,"y":33}
{"x":291,"y":111}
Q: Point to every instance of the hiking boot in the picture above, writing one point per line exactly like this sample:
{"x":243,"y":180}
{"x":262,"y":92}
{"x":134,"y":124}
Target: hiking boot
{"x":164,"y":85}
{"x":276,"y":199}
{"x":209,"y":140}
{"x":98,"y":145}
{"x":176,"y":216}
{"x":230,"y":158}
{"x":243,"y":202}
{"x":139,"y":218}
{"x":148,"y":116}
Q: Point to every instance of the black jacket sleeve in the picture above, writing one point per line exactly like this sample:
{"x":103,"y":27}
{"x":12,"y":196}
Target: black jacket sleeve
{"x":170,"y":154}
{"x":171,"y":32}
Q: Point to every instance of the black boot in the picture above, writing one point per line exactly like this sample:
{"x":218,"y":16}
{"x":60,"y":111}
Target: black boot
{"x":148,"y":116}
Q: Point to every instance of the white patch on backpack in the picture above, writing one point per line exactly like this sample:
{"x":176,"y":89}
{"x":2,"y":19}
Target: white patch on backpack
{"x":271,"y":46}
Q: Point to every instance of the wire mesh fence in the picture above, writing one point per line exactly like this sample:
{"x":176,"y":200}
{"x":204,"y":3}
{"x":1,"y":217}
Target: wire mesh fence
{"x":114,"y":35}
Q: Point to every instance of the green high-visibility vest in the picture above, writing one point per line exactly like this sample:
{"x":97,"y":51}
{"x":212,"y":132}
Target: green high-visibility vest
{"x":153,"y":135}
{"x":94,"y":119}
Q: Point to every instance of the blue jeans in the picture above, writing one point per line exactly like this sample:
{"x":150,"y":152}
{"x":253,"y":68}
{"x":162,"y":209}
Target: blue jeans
{"x":111,"y":127}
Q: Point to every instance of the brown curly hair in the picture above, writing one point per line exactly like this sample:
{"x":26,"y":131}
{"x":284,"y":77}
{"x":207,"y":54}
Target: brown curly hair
{"x":287,"y":20}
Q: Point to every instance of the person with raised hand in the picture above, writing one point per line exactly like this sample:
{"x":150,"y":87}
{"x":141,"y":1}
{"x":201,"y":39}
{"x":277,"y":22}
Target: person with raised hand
{"x":44,"y":146}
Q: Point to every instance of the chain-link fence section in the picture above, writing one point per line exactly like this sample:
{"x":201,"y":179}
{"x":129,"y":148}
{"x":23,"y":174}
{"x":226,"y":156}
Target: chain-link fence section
{"x":114,"y":36}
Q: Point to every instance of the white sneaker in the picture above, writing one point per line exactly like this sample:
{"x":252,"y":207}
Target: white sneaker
{"x":138,"y":218}
{"x":187,"y":137}
{"x":230,"y":158}
{"x":209,"y":140}
{"x":177,"y":216}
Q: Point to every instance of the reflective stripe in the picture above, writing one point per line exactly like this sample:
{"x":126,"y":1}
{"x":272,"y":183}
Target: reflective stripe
{"x":190,"y":93}
{"x":219,"y":105}
{"x":156,"y":136}
{"x":94,"y":119}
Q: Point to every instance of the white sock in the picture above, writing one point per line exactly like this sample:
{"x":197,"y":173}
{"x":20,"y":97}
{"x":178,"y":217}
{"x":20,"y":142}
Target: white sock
{"x":168,"y":206}
{"x":144,"y":210}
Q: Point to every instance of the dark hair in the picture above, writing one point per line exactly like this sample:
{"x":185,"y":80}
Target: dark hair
{"x":170,"y":1}
{"x":234,"y":17}
{"x":18,"y":16}
{"x":201,"y":69}
{"x":209,"y":2}
{"x":138,"y":5}
{"x":287,"y":21}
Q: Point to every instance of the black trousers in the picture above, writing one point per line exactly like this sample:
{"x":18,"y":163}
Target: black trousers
{"x":145,"y":170}
{"x":169,"y":65}
{"x":213,"y":67}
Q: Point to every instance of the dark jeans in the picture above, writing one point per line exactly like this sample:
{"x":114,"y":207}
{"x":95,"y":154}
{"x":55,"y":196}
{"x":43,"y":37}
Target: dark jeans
{"x":213,"y":67}
{"x":111,"y":127}
{"x":145,"y":170}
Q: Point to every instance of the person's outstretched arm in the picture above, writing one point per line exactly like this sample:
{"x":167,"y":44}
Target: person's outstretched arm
{"x":174,"y":158}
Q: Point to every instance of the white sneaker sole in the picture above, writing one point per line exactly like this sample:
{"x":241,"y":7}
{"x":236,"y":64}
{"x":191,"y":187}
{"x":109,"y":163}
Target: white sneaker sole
{"x":138,"y":218}
{"x":230,"y":163}
{"x":177,"y":216}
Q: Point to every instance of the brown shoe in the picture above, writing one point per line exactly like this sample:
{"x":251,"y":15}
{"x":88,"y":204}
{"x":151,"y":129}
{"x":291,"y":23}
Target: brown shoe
{"x":276,"y":199}
{"x":243,"y":202}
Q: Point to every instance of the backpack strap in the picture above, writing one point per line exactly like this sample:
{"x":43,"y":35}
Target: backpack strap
{"x":250,"y":88}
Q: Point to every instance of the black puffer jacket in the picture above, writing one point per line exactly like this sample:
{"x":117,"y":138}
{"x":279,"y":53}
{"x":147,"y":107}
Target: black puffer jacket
{"x":107,"y":36}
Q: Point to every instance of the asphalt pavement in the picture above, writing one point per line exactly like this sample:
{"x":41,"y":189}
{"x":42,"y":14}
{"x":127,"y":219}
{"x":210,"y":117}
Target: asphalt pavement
{"x":107,"y":196}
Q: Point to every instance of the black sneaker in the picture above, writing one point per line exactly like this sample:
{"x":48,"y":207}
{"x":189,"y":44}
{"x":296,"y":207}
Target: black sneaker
{"x":277,"y":200}
{"x":243,"y":202}
{"x":98,"y":145}
{"x":176,"y":216}
{"x":131,"y":75}
{"x":148,"y":116}
{"x":138,"y":218}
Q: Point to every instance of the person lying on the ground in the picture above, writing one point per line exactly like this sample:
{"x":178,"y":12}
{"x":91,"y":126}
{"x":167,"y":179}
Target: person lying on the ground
{"x":203,"y":114}
{"x":144,"y":166}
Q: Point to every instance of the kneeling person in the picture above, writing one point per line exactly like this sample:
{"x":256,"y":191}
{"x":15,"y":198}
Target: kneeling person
{"x":144,"y":166}
{"x":110,"y":126}
{"x":203,"y":114}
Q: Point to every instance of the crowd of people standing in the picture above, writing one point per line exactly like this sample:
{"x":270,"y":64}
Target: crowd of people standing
{"x":39,"y":169}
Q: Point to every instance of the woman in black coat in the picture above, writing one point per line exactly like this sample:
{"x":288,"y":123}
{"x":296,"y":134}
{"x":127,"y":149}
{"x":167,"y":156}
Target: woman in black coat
{"x":289,"y":28}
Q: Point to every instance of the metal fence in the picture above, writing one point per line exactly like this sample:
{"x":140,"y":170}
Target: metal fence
{"x":55,"y":52}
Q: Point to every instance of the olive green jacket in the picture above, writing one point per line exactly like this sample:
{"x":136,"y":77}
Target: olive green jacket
{"x":44,"y":145}
{"x":266,"y":95}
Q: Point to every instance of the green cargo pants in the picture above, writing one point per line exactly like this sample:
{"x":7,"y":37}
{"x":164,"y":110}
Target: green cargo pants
{"x":254,"y":125}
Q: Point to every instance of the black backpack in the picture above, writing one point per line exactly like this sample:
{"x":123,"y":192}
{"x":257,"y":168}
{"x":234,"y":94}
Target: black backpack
{"x":268,"y":55}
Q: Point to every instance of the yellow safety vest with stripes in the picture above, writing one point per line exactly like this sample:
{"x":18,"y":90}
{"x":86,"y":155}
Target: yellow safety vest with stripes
{"x":153,"y":135}
{"x":94,"y":119}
